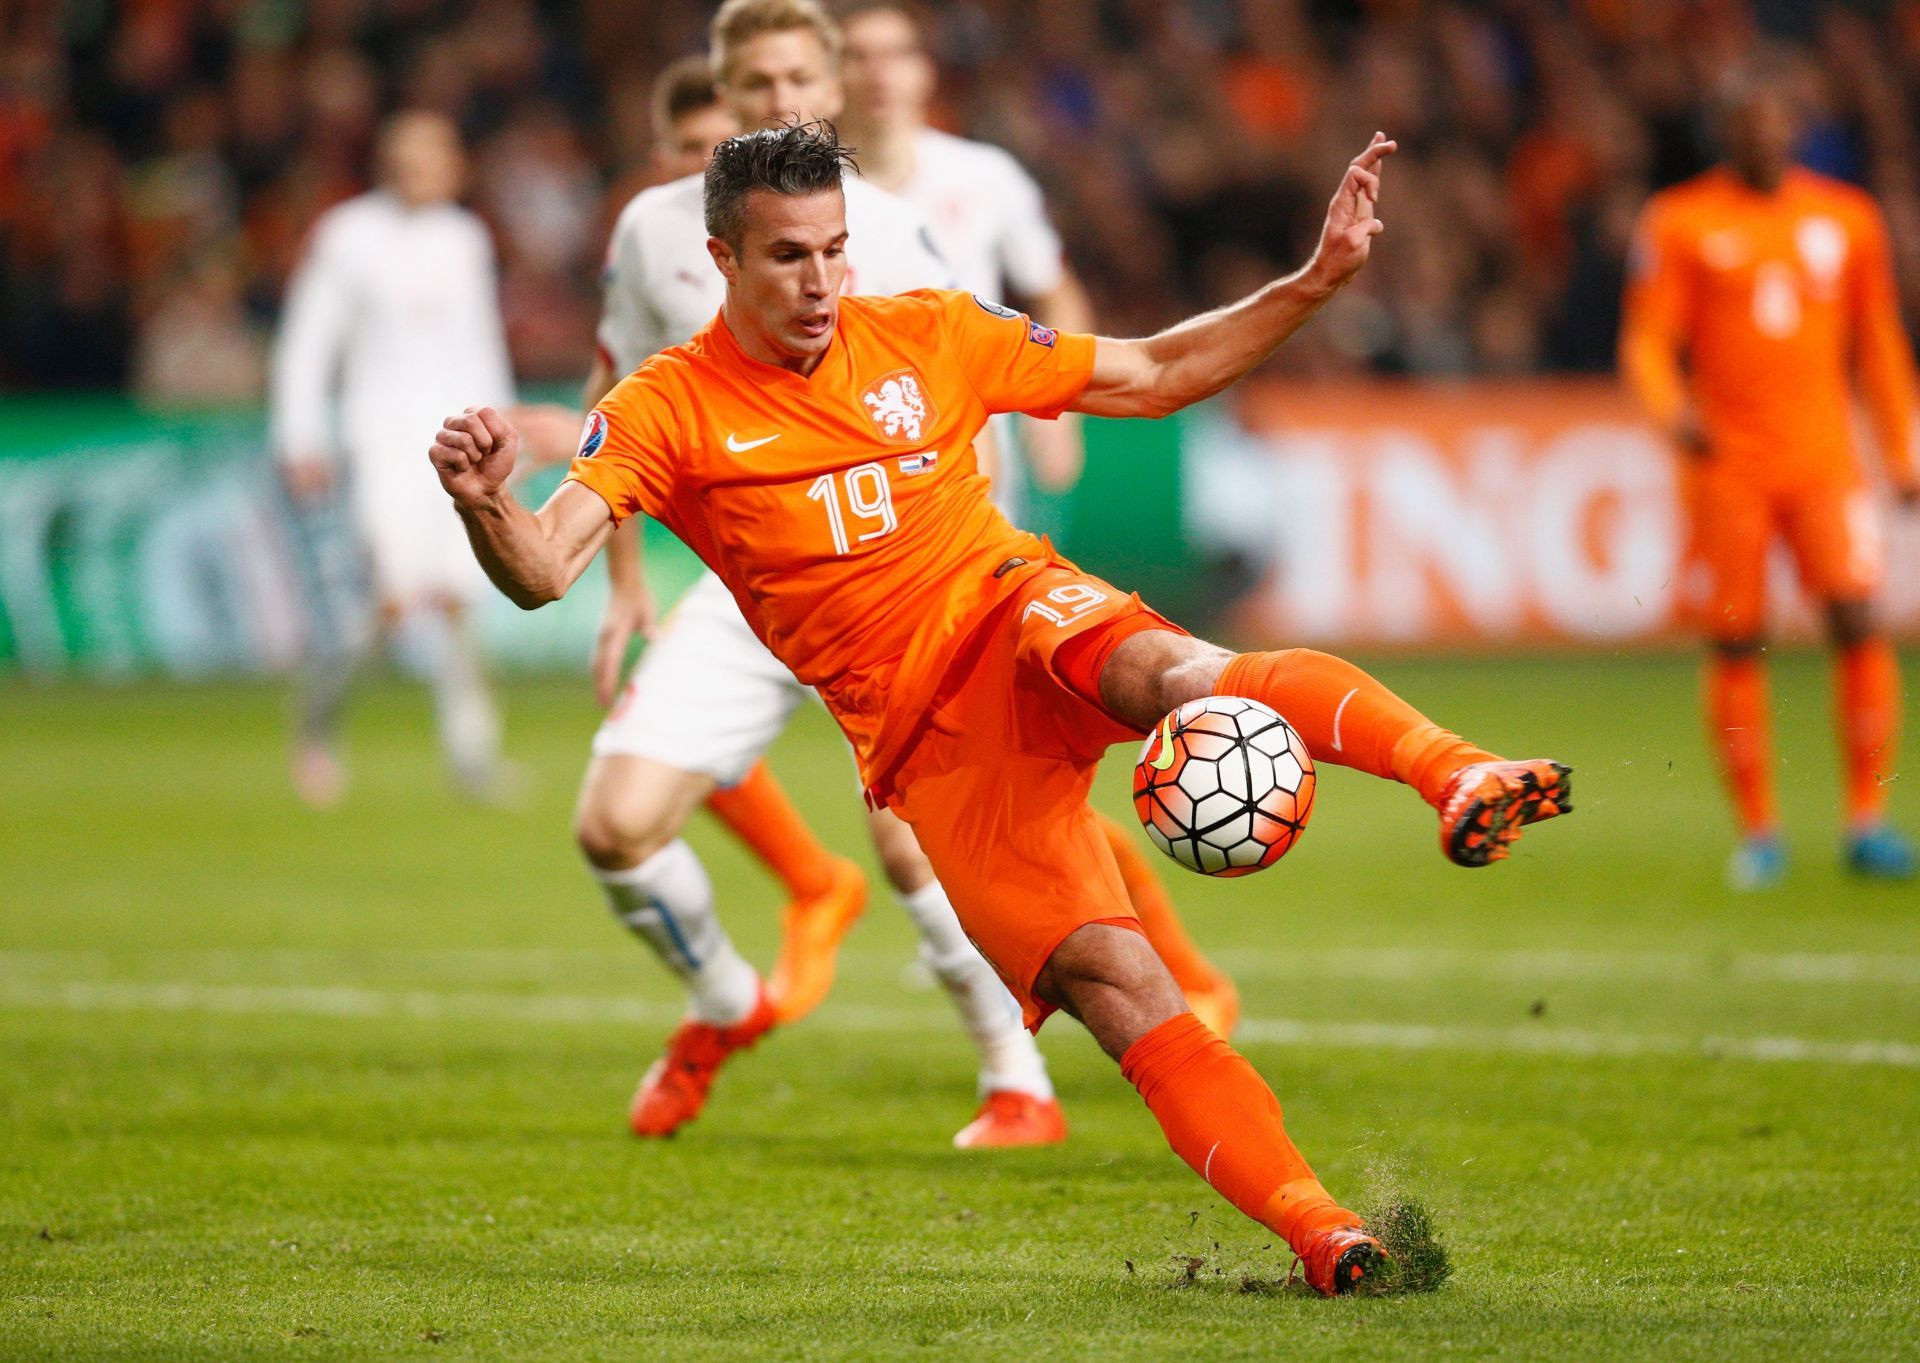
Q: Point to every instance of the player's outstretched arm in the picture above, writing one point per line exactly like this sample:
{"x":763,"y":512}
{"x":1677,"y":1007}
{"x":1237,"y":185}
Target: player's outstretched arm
{"x":1201,"y":356}
{"x":532,"y":557}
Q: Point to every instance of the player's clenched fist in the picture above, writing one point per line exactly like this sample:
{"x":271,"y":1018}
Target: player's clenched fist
{"x":1351,"y":226}
{"x":474,"y":454}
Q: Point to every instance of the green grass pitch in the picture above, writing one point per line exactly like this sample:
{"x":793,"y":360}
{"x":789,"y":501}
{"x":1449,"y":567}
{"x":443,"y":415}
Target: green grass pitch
{"x":284,"y":1085}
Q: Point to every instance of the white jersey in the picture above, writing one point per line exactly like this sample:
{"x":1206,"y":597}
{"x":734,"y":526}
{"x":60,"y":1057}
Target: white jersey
{"x":987,"y":216}
{"x":392,"y":321}
{"x":661,"y":285}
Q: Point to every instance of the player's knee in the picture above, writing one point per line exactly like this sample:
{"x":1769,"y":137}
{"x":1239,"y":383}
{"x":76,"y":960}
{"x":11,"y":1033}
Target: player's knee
{"x":1850,"y":623}
{"x":1113,"y":981}
{"x":1157,"y":671}
{"x":614,"y":835}
{"x":1739,"y":648}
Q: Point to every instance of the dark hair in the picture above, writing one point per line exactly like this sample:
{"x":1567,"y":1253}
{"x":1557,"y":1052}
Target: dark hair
{"x":683,"y":88}
{"x":796,"y":158}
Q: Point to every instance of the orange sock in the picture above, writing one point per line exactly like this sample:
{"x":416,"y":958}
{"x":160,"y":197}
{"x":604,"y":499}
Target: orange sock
{"x":1867,"y":692}
{"x":1158,"y":918}
{"x":1222,"y":1119}
{"x":1349,"y":719}
{"x":1741,"y":731}
{"x":760,"y":815}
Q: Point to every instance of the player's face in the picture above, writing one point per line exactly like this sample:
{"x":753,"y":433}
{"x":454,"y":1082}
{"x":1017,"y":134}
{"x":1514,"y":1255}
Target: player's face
{"x":783,"y":284}
{"x":422,"y":160}
{"x":691,"y":138}
{"x":773,"y":77}
{"x":1760,"y":137}
{"x":889,"y":77}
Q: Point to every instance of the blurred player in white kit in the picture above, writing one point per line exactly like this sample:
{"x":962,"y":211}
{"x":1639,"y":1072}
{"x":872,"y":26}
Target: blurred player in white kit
{"x":707,"y":698}
{"x":392,"y":319}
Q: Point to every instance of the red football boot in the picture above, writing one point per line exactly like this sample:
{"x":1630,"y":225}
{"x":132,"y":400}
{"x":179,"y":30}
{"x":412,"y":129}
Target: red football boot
{"x":1341,"y":1258}
{"x":676,"y":1085}
{"x":1010,"y":1118}
{"x":1485,"y":806}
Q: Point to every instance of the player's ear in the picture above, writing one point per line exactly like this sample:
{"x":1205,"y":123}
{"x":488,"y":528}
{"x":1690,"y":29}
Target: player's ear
{"x":723,"y":257}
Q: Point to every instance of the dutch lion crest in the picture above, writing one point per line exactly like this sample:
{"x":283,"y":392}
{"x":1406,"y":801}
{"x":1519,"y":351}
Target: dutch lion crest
{"x":898,"y":405}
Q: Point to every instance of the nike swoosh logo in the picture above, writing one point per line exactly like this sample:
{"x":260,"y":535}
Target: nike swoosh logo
{"x":1336,"y":717}
{"x":739,"y":446}
{"x":1164,"y":758}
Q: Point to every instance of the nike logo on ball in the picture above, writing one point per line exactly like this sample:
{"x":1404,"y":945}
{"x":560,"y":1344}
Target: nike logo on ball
{"x":1164,"y":758}
{"x":739,"y":446}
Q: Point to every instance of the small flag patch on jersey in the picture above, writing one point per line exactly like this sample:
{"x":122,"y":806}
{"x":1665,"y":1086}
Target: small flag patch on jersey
{"x":922,"y":462}
{"x":594,"y":434}
{"x":1040,"y":335}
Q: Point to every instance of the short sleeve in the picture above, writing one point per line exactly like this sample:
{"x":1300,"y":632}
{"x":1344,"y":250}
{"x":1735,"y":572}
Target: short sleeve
{"x":628,"y":447}
{"x":1013,"y":363}
{"x":1029,"y":250}
{"x":630,"y":329}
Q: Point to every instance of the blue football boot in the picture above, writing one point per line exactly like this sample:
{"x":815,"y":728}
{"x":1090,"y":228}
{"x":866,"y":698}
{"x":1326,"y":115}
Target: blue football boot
{"x":1879,"y":853}
{"x":1758,"y":863}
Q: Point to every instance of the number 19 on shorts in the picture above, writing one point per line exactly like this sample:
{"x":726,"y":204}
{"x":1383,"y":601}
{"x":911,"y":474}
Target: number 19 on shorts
{"x":863,"y":496}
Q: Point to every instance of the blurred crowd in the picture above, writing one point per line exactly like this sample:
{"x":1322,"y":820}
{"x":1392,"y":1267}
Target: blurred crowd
{"x":161,"y":160}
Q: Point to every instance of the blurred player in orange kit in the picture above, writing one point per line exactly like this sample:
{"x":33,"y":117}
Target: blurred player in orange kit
{"x":990,"y":223}
{"x":1766,"y":282}
{"x":816,"y":451}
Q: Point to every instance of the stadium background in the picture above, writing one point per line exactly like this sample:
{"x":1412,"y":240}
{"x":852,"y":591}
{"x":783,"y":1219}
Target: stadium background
{"x":282,"y":1084}
{"x":159,"y":164}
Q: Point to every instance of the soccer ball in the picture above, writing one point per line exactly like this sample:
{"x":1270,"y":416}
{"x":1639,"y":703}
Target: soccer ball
{"x":1223,"y":786}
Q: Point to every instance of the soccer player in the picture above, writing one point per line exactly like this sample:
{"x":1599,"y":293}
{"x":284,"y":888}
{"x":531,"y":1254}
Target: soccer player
{"x":1771,"y":282}
{"x":392,"y":313}
{"x":816,"y":451}
{"x":651,"y":765}
{"x":990,"y":222}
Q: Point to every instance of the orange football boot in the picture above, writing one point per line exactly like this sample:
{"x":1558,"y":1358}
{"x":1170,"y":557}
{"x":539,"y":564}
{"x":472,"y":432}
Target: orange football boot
{"x":675,"y":1086}
{"x":1008,"y":1117}
{"x":1340,"y":1258}
{"x":1485,"y":805}
{"x":1217,"y":1005}
{"x":811,"y":930}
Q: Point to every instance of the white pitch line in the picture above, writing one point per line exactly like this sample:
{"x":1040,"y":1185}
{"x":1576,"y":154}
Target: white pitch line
{"x":347,"y":1001}
{"x":542,"y":964}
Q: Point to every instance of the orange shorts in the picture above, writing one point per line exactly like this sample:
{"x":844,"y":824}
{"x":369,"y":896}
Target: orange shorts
{"x":1831,"y":529}
{"x":996,"y":783}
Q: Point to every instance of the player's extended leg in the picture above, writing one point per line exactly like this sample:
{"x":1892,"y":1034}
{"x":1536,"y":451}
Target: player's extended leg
{"x":1349,"y":719}
{"x":1218,"y":1114}
{"x":1867,"y":699}
{"x":628,"y":822}
{"x":825,"y":893}
{"x":1209,"y":992}
{"x":1740,"y":727}
{"x":464,"y":709}
{"x":1017,"y":1103}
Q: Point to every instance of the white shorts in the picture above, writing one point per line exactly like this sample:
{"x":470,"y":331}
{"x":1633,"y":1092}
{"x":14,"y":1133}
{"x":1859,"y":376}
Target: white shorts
{"x":706,"y":697}
{"x":415,"y":544}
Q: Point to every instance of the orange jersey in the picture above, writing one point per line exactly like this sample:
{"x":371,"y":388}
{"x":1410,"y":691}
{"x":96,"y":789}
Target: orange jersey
{"x":843,"y":509}
{"x":1771,"y":299}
